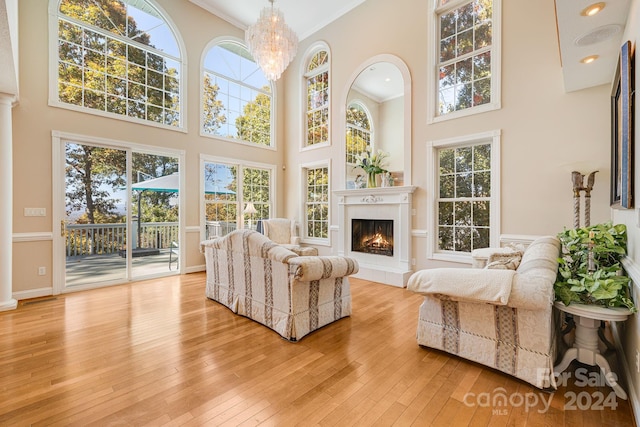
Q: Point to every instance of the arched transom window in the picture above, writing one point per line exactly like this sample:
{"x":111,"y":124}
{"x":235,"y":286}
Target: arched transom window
{"x":317,"y":85}
{"x":118,"y":57}
{"x":236,"y":95}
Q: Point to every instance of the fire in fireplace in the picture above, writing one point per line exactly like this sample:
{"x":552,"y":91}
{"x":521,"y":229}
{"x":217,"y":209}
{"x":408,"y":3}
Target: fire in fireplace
{"x":372,"y":236}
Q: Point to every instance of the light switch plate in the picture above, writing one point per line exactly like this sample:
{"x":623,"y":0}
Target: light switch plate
{"x":35,"y":212}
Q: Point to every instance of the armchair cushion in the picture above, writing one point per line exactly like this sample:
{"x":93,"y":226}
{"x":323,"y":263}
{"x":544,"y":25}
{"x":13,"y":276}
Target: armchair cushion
{"x":490,"y":286}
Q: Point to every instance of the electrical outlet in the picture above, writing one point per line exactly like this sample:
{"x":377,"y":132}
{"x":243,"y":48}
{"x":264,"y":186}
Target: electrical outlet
{"x":42,"y":271}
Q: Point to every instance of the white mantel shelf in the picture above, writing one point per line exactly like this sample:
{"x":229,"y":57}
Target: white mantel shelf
{"x":383,"y":203}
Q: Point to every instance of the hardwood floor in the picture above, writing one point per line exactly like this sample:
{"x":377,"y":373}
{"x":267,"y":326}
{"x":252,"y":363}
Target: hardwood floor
{"x":159,"y":353}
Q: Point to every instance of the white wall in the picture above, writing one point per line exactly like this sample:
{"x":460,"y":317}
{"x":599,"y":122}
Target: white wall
{"x":630,"y":331}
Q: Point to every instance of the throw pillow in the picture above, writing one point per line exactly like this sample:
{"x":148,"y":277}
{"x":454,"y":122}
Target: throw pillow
{"x":504,"y":261}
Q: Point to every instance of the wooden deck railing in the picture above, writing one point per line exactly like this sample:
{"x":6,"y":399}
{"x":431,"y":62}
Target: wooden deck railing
{"x":102,"y":239}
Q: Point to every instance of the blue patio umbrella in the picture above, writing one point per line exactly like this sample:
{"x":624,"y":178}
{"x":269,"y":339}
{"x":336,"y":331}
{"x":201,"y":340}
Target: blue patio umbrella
{"x":170,"y":184}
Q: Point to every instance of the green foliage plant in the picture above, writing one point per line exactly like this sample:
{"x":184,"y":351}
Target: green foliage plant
{"x":602,"y":284}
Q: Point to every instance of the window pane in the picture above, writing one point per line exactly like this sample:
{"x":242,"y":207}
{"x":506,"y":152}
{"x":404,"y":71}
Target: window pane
{"x":482,"y":184}
{"x":482,"y":157}
{"x":463,"y":159}
{"x":445,"y":238}
{"x":463,"y":239}
{"x":481,"y":238}
{"x":463,"y":185}
{"x":481,"y":214}
{"x":447,"y":186}
{"x":447,"y":162}
{"x":445,"y":213}
{"x":462,"y":213}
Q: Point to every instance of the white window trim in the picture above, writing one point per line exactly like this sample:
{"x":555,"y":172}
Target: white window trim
{"x":274,"y":105}
{"x":53,"y":74}
{"x":326,"y":163}
{"x":310,"y":52}
{"x":492,"y":137}
{"x":433,"y":53}
{"x":206,"y":158}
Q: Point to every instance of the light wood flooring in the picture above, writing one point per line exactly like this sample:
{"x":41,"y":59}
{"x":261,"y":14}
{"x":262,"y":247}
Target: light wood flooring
{"x":159,"y":353}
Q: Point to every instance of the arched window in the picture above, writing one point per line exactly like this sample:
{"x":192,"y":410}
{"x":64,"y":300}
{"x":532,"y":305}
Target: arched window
{"x":358,"y":131}
{"x":236,"y":95}
{"x":118,"y":58}
{"x":317,"y":102}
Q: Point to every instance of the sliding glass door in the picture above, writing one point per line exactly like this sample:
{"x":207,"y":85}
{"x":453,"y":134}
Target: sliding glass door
{"x":120,"y":218}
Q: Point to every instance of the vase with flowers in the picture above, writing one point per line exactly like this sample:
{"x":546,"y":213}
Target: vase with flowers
{"x":373,"y":164}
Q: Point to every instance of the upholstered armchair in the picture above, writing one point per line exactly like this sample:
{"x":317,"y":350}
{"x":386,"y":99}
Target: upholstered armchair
{"x":284,"y":232}
{"x":502,"y":318}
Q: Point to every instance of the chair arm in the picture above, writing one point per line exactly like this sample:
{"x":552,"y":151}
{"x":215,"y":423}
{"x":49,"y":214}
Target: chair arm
{"x":211,"y":243}
{"x":307,"y":268}
{"x":486,"y":286}
{"x":532,"y":292}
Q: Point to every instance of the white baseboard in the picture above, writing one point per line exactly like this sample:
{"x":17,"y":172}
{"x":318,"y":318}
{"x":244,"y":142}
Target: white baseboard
{"x":633,"y":271}
{"x":33,"y":293}
{"x":194,"y":269}
{"x":631,"y":390}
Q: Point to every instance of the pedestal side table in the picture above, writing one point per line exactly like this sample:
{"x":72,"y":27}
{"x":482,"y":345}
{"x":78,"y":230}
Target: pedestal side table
{"x":585,"y":347}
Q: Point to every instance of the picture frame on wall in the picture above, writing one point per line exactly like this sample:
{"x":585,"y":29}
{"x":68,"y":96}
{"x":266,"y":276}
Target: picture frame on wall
{"x":622,"y":131}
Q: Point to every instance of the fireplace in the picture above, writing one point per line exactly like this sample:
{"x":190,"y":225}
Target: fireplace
{"x":372,"y":236}
{"x":374,"y":227}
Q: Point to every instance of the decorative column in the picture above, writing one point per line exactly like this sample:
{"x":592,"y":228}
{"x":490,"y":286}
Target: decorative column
{"x":6,"y":213}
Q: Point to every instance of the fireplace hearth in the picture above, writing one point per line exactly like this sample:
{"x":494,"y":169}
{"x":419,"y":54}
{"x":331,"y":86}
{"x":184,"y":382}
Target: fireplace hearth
{"x":372,"y":236}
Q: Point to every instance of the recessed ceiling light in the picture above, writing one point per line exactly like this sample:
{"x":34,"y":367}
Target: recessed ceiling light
{"x":589,"y":59}
{"x":593,"y":9}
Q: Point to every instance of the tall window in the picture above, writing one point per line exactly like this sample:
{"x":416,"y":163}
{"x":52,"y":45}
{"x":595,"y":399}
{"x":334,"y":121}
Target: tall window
{"x":358,"y":131}
{"x":225,"y":201}
{"x":466,"y":194}
{"x":236,"y":95}
{"x":118,"y":58}
{"x":467,"y":56}
{"x":316,"y":197}
{"x":317,"y":90}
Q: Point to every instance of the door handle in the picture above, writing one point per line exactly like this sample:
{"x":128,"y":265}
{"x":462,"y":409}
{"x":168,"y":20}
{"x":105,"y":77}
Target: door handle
{"x":63,"y":228}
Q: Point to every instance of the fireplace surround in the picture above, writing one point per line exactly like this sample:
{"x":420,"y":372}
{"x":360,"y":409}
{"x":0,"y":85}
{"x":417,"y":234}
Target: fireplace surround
{"x":374,"y":215}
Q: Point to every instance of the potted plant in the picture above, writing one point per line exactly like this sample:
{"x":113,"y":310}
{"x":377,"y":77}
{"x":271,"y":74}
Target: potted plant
{"x":372,"y":163}
{"x":590,"y":271}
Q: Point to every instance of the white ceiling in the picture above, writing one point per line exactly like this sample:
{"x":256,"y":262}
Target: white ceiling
{"x":601,"y":35}
{"x":306,"y":17}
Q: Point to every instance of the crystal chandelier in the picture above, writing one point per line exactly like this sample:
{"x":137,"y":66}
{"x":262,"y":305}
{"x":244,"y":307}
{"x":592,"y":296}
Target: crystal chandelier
{"x":271,"y":42}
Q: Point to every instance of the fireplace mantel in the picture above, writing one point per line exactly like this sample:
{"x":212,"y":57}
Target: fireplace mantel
{"x":382,"y":203}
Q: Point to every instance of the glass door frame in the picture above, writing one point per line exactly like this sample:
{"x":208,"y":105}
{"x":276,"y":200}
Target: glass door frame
{"x":59,"y":141}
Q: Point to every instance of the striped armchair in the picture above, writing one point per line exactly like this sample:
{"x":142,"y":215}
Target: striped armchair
{"x":293,"y":295}
{"x":499,"y":318}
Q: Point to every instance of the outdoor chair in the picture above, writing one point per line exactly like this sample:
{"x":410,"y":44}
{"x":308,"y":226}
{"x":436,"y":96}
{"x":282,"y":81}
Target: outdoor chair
{"x":174,"y":254}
